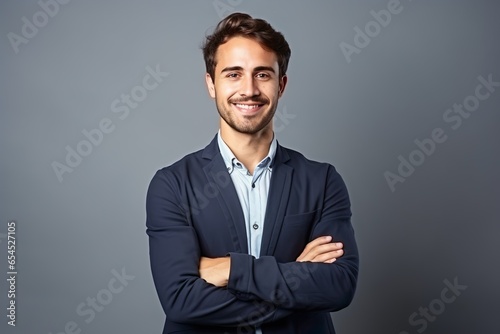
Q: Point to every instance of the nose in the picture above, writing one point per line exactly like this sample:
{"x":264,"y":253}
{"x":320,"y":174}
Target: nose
{"x":249,"y":87}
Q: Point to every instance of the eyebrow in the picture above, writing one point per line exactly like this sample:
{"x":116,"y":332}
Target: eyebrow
{"x":239,"y":68}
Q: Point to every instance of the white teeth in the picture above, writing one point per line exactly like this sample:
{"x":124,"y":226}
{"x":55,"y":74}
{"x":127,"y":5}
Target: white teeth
{"x":247,"y":106}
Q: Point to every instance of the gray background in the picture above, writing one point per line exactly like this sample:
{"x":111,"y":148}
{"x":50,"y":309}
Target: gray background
{"x":440,"y":224}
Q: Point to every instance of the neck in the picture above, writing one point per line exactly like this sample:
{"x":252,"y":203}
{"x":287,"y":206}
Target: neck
{"x":250,"y":149}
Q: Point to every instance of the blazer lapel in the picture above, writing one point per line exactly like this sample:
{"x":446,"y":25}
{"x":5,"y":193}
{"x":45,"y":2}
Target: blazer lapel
{"x":279,"y":190}
{"x":227,"y":197}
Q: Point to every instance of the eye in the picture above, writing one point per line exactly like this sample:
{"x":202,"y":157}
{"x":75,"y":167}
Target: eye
{"x":262,"y":75}
{"x":232,"y":75}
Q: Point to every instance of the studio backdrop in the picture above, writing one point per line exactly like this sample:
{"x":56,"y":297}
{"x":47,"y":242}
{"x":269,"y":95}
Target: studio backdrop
{"x":401,"y":96}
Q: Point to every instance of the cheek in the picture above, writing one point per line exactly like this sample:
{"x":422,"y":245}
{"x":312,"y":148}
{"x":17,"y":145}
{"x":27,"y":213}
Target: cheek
{"x":225,"y":91}
{"x":271,"y":89}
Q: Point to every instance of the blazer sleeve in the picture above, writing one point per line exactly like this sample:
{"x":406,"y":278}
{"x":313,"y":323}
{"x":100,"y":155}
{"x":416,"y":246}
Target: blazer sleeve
{"x":306,"y":286}
{"x":174,"y":257}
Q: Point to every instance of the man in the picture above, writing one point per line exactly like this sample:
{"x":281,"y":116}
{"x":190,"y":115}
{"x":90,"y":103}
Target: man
{"x":247,"y":236}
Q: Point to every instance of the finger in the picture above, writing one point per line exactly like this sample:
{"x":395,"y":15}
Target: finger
{"x":321,"y":249}
{"x":313,"y":244}
{"x":336,"y":245}
{"x":333,"y":246}
{"x":310,"y":254}
{"x":316,"y":242}
{"x":328,"y":257}
{"x":322,"y":253}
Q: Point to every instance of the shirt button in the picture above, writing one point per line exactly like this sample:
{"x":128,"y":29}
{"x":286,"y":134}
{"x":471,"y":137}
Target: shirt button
{"x":255,"y":226}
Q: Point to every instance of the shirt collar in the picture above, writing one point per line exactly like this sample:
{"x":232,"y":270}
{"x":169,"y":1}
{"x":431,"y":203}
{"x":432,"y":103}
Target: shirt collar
{"x":231,"y":161}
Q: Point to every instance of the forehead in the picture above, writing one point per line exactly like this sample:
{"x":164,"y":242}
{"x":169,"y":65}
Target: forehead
{"x":244,"y":52}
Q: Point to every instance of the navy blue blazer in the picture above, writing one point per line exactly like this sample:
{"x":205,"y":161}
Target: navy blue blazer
{"x":193,"y":210}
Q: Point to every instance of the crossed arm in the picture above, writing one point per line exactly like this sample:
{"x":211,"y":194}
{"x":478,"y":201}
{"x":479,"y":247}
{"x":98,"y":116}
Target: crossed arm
{"x":256,"y":291}
{"x":321,"y":250}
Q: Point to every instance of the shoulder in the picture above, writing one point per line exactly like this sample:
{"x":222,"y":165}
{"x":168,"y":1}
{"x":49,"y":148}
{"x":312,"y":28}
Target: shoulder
{"x":311,"y":173}
{"x":192,"y":162}
{"x":169,"y":183}
{"x":300,"y":163}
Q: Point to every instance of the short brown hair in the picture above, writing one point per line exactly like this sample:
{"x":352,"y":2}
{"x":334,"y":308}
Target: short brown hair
{"x":240,"y":24}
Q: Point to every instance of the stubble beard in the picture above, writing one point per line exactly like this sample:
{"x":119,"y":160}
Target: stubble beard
{"x":253,"y":125}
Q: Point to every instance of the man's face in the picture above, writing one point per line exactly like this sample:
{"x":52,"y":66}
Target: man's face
{"x":247,"y":86}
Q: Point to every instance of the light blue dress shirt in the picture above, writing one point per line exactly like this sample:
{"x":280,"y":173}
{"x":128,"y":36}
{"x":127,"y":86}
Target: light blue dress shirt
{"x":252,"y":192}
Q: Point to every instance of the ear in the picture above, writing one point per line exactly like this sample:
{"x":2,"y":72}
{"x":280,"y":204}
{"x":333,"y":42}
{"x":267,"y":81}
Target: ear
{"x":283,"y":81}
{"x":210,"y":85}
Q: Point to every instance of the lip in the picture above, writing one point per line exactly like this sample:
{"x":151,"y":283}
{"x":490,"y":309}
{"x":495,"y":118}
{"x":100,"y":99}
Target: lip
{"x":252,"y":108}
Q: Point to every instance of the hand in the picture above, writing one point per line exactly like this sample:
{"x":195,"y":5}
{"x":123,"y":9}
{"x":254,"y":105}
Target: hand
{"x":215,"y":271}
{"x":321,"y":250}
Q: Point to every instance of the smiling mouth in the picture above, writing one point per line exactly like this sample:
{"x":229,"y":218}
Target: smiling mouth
{"x":248,"y":107}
